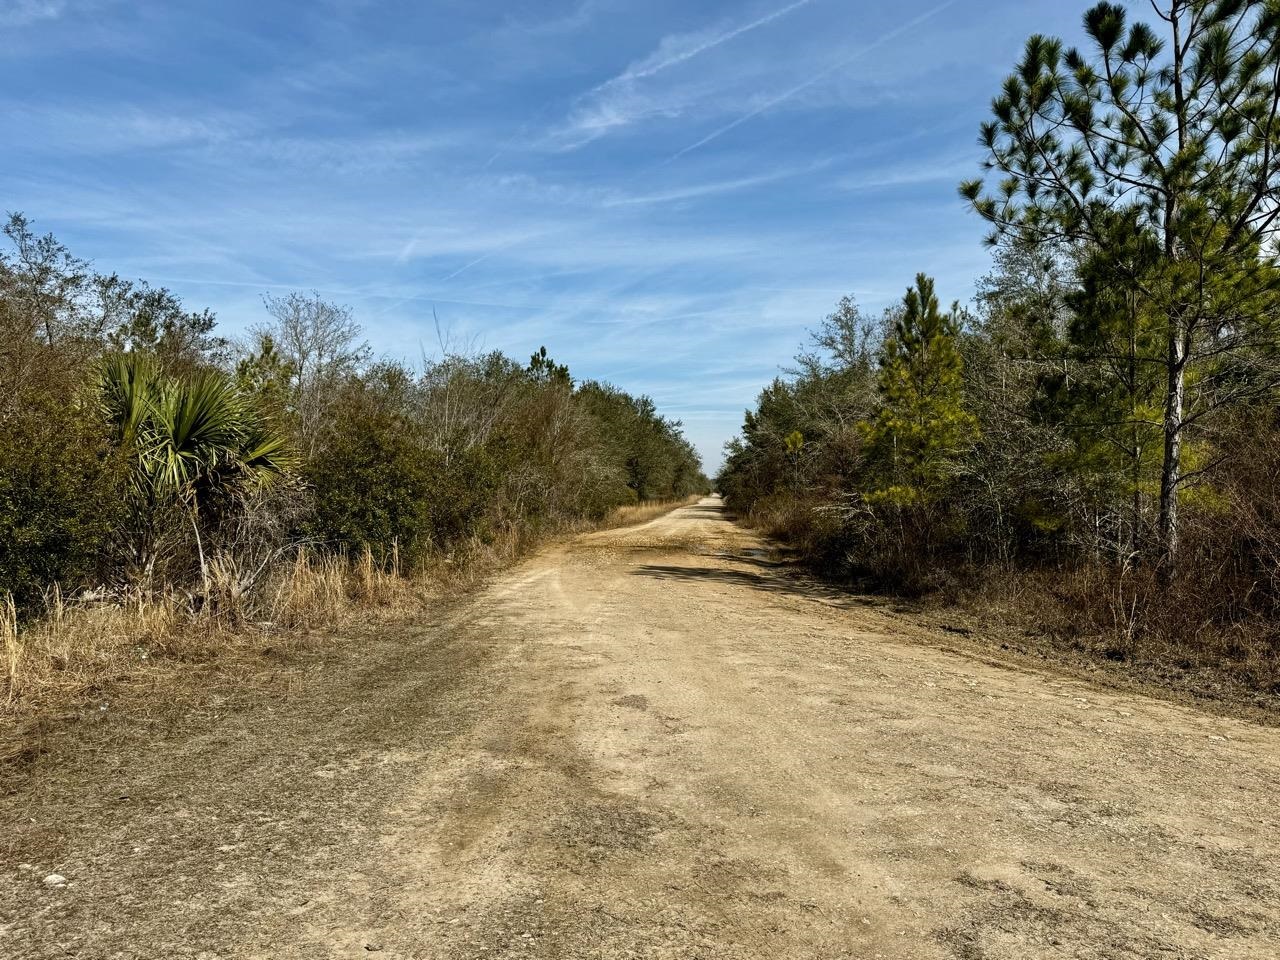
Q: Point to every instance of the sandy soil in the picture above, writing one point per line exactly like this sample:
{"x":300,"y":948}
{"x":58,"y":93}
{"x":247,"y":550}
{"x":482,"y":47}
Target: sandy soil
{"x":655,"y":742}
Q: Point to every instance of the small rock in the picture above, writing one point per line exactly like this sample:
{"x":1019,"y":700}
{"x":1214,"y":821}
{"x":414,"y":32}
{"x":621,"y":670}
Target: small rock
{"x":55,"y":880}
{"x":373,"y":947}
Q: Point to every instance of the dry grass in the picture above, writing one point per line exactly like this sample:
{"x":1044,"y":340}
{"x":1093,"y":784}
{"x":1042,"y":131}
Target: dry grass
{"x":1129,"y":631}
{"x":635,"y":513}
{"x":84,"y":653}
{"x":1212,"y":634}
{"x":316,"y":590}
{"x":1186,"y":626}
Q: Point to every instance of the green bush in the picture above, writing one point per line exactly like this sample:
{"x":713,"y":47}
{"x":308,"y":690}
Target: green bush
{"x":60,"y":496}
{"x":371,"y":481}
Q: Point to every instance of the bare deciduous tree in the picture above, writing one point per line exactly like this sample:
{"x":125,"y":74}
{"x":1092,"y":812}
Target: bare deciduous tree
{"x":320,"y":342}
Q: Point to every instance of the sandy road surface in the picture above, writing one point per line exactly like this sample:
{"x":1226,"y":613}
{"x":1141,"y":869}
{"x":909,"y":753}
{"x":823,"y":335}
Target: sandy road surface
{"x":654,"y":743}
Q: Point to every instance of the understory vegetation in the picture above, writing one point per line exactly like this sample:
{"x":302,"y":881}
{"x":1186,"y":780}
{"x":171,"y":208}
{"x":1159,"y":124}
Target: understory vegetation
{"x":1098,"y":438}
{"x":164,"y":489}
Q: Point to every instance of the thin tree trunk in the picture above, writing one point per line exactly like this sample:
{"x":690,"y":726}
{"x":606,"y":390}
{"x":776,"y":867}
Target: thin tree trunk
{"x":1135,"y":532}
{"x":1171,"y":469}
{"x":204,"y":567}
{"x":1136,"y":544}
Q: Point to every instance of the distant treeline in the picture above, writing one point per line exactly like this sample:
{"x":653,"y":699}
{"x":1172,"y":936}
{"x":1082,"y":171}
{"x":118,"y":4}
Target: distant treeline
{"x":1103,"y":425}
{"x":142,"y":452}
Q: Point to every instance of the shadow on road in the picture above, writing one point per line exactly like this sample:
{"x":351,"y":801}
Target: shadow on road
{"x":779,"y":579}
{"x":700,"y":512}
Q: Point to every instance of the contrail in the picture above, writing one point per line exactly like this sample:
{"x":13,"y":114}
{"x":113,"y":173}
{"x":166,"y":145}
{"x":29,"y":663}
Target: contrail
{"x":514,"y":242}
{"x":599,"y":97}
{"x":463,"y":269}
{"x":467,"y":266}
{"x":821,"y":74}
{"x":711,"y":44}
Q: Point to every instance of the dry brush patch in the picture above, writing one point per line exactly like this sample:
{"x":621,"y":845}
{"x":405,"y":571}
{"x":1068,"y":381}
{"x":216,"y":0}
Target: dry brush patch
{"x":1207,"y":637}
{"x":95,"y":653}
{"x":1127,"y":632}
{"x":632,"y":514}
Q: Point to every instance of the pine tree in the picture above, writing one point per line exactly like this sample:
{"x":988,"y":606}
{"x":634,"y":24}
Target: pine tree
{"x":1181,"y":133}
{"x":1111,"y":402}
{"x":922,"y":423}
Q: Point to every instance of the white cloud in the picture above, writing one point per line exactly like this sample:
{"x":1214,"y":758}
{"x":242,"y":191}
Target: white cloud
{"x":225,"y":137}
{"x":525,"y":187}
{"x":118,"y":129}
{"x":952,"y":168}
{"x":20,"y":13}
{"x":370,"y":154}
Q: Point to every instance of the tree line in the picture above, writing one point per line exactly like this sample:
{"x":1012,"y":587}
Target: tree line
{"x":1106,"y":411}
{"x":142,"y":452}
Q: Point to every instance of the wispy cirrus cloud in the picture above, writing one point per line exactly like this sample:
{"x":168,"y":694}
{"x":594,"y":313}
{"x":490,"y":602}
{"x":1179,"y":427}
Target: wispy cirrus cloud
{"x":951,"y":167}
{"x":569,"y":194}
{"x":676,"y":49}
{"x":108,"y":129}
{"x":622,"y":100}
{"x":226,"y":138}
{"x":20,"y":13}
{"x":576,"y":18}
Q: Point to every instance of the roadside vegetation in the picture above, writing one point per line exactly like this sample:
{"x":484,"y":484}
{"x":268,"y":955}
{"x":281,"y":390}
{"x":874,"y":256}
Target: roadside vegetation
{"x":167,"y":494}
{"x":1095,"y":445}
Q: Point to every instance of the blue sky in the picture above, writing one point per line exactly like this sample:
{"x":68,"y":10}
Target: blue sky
{"x":666,"y":193}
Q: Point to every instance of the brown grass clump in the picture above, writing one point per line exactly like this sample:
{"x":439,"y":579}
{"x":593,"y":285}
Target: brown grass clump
{"x":635,"y":513}
{"x":78,"y":647}
{"x":13,"y":646}
{"x":1167,"y":638}
{"x":84,"y":650}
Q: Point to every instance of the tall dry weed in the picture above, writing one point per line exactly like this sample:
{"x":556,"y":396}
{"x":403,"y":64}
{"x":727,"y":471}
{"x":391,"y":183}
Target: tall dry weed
{"x":13,"y":650}
{"x":308,"y":592}
{"x":633,"y":513}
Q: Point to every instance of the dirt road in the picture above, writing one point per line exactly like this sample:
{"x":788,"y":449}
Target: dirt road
{"x":655,"y":743}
